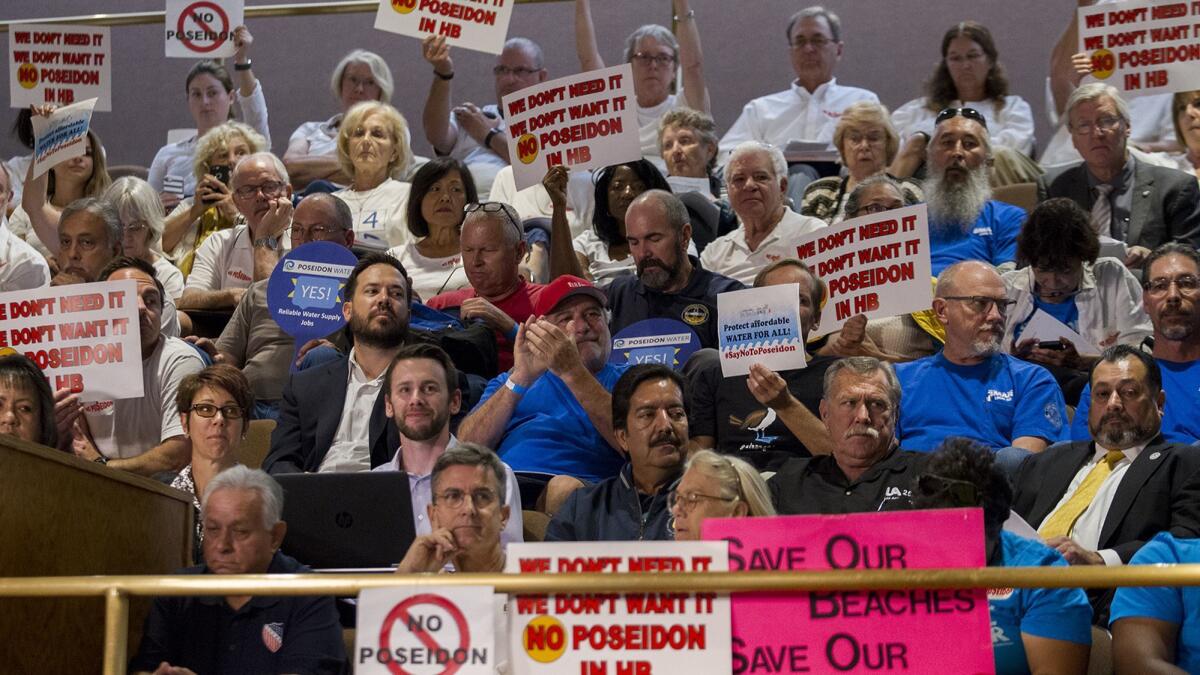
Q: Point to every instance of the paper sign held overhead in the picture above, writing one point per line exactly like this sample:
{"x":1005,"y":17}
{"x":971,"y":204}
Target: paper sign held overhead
{"x":427,"y":629}
{"x":201,"y":28}
{"x":481,"y":25}
{"x":584,"y":121}
{"x":59,"y":64}
{"x":61,"y":136}
{"x":760,"y":325}
{"x":1144,"y":46}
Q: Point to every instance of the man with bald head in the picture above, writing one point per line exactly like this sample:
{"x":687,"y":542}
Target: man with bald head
{"x":972,"y":388}
{"x":229,"y":260}
{"x":670,"y":284}
{"x":965,"y":223}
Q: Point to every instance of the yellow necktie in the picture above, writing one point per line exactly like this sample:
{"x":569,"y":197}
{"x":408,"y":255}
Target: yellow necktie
{"x":1060,"y":522}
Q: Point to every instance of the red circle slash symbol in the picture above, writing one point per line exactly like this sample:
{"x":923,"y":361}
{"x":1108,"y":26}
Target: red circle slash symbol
{"x":400,"y":613}
{"x":192,"y":12}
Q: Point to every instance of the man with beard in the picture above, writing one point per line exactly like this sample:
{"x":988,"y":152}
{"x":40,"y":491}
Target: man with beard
{"x":1097,"y":501}
{"x":420,"y":394}
{"x":867,"y":470}
{"x":1171,"y":295}
{"x":669,"y":284}
{"x":971,"y":388}
{"x":1138,"y":203}
{"x":651,"y":426}
{"x":965,"y":223}
{"x":332,"y":417}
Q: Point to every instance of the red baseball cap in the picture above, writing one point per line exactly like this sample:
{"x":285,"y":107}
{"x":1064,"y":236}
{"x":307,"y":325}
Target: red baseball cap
{"x":566,"y":286}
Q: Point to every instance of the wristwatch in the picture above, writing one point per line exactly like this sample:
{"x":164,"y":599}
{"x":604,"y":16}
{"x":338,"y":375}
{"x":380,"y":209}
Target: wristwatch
{"x":267,"y":242}
{"x":487,"y":140}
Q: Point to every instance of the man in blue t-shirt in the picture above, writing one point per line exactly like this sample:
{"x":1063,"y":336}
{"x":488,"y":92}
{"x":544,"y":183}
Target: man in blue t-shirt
{"x":964,"y":222}
{"x":971,"y":389}
{"x":551,"y":414}
{"x":1170,"y":298}
{"x":1154,"y":628}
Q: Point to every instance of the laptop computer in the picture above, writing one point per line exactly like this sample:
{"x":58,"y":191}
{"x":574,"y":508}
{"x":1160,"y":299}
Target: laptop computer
{"x":347,"y":520}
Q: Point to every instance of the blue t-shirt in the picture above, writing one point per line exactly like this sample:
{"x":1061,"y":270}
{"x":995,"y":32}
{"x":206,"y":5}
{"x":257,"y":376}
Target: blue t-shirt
{"x":993,"y":238}
{"x":1053,"y":613}
{"x":1180,"y":421}
{"x":549,"y":432}
{"x":1179,"y":605}
{"x":993,"y":402}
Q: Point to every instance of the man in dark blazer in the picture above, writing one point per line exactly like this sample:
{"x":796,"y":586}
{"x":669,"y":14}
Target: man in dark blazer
{"x":1147,"y":205}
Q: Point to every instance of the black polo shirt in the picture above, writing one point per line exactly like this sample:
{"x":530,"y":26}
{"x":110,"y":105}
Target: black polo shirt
{"x":695,"y":304}
{"x":817,"y":485}
{"x":269,"y":634}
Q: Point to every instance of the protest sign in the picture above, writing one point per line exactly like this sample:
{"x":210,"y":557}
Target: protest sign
{"x":304,"y":293}
{"x":859,"y":631}
{"x":664,"y":341}
{"x":760,"y":325}
{"x":59,"y":64}
{"x":201,"y":28}
{"x":481,"y":25}
{"x":877,"y":265}
{"x":426,"y":629}
{"x":1143,"y":47}
{"x":84,"y":337}
{"x":634,"y":633}
{"x":61,"y":136}
{"x":584,"y":121}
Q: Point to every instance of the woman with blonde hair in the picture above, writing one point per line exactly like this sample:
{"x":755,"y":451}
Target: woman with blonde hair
{"x":716,"y":486}
{"x":373,"y":150}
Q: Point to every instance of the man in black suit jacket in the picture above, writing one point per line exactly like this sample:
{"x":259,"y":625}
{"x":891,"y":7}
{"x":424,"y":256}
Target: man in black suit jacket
{"x":1149,"y":205}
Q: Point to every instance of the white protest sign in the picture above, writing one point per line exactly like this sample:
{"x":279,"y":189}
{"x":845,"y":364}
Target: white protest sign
{"x":1044,"y":327}
{"x":760,"y":325}
{"x":634,"y":633}
{"x":201,"y":28}
{"x":877,"y":265}
{"x":59,"y":64}
{"x":61,"y":136}
{"x":426,"y":629}
{"x":481,"y":25}
{"x":84,"y":337}
{"x":584,"y":121}
{"x":1143,"y":47}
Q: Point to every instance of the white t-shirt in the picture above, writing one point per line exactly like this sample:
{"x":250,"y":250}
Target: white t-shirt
{"x":534,"y":201}
{"x":1011,"y":126}
{"x":20,"y":226}
{"x":170,"y":277}
{"x":729,"y":254}
{"x":224,"y":260}
{"x":602,"y":267}
{"x":129,"y":427}
{"x":431,"y":276}
{"x":18,"y":166}
{"x":648,"y":119}
{"x":21,"y":266}
{"x":379,"y":220}
{"x":321,"y":136}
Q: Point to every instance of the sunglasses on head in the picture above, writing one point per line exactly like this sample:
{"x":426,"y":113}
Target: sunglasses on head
{"x":969,"y":113}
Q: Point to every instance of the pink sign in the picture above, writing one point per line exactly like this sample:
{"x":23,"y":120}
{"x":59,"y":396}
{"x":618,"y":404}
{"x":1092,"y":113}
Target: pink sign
{"x":945,"y":631}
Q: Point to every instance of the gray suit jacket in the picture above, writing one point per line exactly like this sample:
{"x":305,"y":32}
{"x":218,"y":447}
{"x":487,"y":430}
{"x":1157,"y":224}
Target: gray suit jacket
{"x":1165,"y":207}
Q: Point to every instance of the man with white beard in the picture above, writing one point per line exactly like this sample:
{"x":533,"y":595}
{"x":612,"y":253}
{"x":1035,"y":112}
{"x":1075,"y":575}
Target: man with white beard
{"x":965,"y":223}
{"x":971,"y":388}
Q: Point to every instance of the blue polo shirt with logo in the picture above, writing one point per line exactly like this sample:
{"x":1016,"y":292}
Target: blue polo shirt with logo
{"x":993,"y":237}
{"x":993,"y":402}
{"x":695,"y":304}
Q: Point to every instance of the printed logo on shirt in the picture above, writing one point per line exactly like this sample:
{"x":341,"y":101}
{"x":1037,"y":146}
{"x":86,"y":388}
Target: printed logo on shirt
{"x":1052,"y":415}
{"x":99,"y":407}
{"x":832,"y":114}
{"x":982,"y":231}
{"x":773,"y":258}
{"x":998,"y":636}
{"x":994,"y":395}
{"x":272,"y":635}
{"x":694,"y":315}
{"x":757,"y":421}
{"x":999,"y":594}
{"x":892,"y":493}
{"x":240,"y":275}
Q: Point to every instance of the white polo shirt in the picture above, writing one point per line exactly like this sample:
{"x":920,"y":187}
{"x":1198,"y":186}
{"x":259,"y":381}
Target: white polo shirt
{"x":21,"y":266}
{"x":793,"y":115}
{"x":731,"y":256}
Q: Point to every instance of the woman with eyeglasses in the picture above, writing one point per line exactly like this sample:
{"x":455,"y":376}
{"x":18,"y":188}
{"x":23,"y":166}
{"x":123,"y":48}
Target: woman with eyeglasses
{"x":372,"y":149}
{"x":141,"y":229}
{"x":1098,"y":298}
{"x":441,"y":189}
{"x":1038,"y":630}
{"x":867,"y":143}
{"x":656,"y":54}
{"x":716,"y":486}
{"x":968,"y":75}
{"x":214,"y":408}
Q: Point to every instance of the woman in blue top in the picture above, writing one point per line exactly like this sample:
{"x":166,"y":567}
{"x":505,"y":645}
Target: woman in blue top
{"x":1034,"y":630}
{"x":1157,"y":629}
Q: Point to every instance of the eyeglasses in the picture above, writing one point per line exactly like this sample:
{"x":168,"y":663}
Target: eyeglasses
{"x":872,"y":138}
{"x":1187,"y":285}
{"x":516,"y":71}
{"x":208,"y":410}
{"x":493,"y":207}
{"x":1103,"y":123}
{"x":817,"y":43}
{"x":969,"y":113}
{"x":982,"y":304}
{"x":452,"y":498}
{"x":136,"y":227}
{"x":688,"y":500}
{"x":961,"y":493}
{"x":877,"y":208}
{"x":316,"y":232}
{"x":269,"y":190}
{"x":645,"y":59}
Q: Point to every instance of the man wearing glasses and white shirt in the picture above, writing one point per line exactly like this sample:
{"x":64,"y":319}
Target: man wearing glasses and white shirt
{"x":229,"y":260}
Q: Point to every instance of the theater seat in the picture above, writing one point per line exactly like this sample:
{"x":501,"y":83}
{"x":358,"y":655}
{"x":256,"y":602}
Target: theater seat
{"x":534,"y":525}
{"x":256,"y":444}
{"x":1023,"y":195}
{"x":1100,"y":660}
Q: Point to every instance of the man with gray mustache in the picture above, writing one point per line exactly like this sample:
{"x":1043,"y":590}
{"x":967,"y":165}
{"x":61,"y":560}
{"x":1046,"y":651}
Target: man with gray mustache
{"x":867,"y":470}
